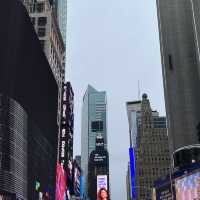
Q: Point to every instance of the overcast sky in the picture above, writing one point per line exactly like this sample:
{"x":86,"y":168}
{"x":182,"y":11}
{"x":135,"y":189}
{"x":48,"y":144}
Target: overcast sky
{"x":111,"y":44}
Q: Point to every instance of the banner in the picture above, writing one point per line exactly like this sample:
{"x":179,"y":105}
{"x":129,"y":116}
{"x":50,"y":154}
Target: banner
{"x":60,"y":182}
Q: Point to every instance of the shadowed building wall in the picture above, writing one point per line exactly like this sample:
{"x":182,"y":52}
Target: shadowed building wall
{"x":27,"y":80}
{"x":178,"y":26}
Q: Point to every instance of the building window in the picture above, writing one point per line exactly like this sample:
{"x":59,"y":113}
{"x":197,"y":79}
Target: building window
{"x":41,"y":32}
{"x":42,"y":42}
{"x":170,"y":62}
{"x":97,"y":126}
{"x":40,"y":7}
{"x":42,"y":21}
{"x":33,"y":20}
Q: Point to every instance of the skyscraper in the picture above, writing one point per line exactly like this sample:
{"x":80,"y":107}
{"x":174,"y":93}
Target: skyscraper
{"x":150,"y":148}
{"x":94,"y":121}
{"x":62,"y":17}
{"x":178,"y":22}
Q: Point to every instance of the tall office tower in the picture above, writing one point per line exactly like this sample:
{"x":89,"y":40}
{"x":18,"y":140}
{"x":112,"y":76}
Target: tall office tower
{"x":28,"y":109}
{"x":62,"y":18}
{"x":44,"y":19}
{"x":151,"y":149}
{"x":94,"y":121}
{"x":179,"y":43}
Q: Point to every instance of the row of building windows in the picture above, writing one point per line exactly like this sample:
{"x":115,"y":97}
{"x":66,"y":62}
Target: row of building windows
{"x":38,"y":7}
{"x":150,"y":159}
{"x":40,"y":21}
{"x":147,"y":172}
{"x":56,"y":40}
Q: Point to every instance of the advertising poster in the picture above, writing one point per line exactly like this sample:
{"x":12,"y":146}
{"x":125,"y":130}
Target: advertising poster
{"x":164,"y":192}
{"x":188,"y":187}
{"x":102,"y":183}
{"x":60,"y":182}
{"x":164,"y":188}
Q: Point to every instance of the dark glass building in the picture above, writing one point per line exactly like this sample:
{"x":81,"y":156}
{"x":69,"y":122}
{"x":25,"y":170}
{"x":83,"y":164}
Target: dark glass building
{"x":28,"y":109}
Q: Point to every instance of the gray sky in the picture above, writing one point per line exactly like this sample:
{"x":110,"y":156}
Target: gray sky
{"x":111,"y":45}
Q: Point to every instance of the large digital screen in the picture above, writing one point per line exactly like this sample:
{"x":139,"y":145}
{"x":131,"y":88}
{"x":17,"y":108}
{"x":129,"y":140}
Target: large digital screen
{"x":164,"y":188}
{"x":102,"y":183}
{"x":60,"y":182}
{"x":188,"y":187}
{"x":164,"y":192}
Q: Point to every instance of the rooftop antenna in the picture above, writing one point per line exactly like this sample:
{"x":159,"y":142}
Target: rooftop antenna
{"x":139,"y":90}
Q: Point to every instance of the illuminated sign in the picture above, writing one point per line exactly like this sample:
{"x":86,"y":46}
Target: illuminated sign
{"x":132,"y":170}
{"x":60,"y":182}
{"x":102,"y":182}
{"x":99,"y":157}
{"x":188,"y":187}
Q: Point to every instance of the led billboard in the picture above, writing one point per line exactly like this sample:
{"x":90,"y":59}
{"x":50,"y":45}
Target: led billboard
{"x":164,"y":190}
{"x":102,"y":182}
{"x":102,"y":187}
{"x":188,"y":186}
{"x":60,"y":182}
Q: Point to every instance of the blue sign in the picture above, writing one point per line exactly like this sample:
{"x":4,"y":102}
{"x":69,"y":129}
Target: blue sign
{"x":132,"y":170}
{"x":81,"y":186}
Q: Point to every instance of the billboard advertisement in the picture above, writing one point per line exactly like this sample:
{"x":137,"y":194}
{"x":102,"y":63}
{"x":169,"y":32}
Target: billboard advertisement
{"x":60,"y":182}
{"x":164,"y":192}
{"x":102,"y":187}
{"x":163,"y":189}
{"x":188,"y":186}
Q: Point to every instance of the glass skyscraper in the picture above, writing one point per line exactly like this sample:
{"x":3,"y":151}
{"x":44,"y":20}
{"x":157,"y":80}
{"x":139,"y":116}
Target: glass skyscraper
{"x":62,"y":17}
{"x":94,"y":122}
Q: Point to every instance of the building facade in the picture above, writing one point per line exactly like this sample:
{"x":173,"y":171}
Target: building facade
{"x":28,"y":109}
{"x":179,"y":44}
{"x":134,"y":113}
{"x":94,"y":121}
{"x":43,"y":17}
{"x":13,"y":148}
{"x":152,"y":159}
